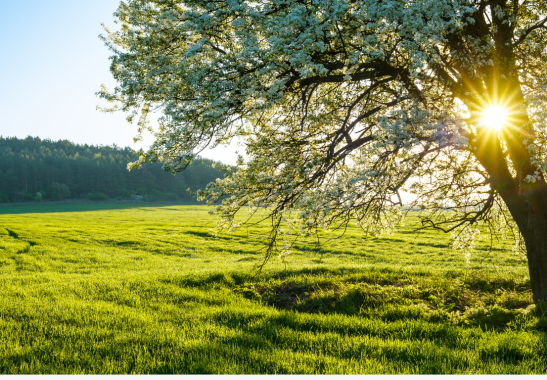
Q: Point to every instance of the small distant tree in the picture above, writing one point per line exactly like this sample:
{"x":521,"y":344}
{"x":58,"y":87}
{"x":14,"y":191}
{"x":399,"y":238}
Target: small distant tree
{"x":170,"y":196}
{"x":155,"y":196}
{"x":142,"y":190}
{"x":123,"y":193}
{"x":97,"y":197}
{"x":343,"y":104}
{"x":4,"y":198}
{"x":23,"y":196}
{"x":58,"y":191}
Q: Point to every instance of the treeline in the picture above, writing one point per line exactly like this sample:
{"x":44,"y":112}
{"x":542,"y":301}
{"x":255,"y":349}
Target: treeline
{"x":32,"y":169}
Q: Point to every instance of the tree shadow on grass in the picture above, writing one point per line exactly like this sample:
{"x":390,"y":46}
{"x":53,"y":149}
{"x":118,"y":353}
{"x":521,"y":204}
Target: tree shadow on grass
{"x":123,"y":243}
{"x":250,"y":345}
{"x":76,"y":207}
{"x":208,"y":235}
{"x":438,"y":339}
{"x":434,"y":245}
{"x":130,"y":356}
{"x":263,"y":341}
{"x":247,"y":259}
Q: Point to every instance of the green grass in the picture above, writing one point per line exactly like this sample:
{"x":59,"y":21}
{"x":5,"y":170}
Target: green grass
{"x":147,"y":289}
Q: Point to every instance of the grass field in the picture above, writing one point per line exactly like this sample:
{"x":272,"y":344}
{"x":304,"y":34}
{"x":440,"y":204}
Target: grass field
{"x":147,"y":289}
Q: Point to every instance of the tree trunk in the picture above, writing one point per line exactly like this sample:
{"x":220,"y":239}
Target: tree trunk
{"x":536,"y":250}
{"x":531,"y":218}
{"x":535,"y":238}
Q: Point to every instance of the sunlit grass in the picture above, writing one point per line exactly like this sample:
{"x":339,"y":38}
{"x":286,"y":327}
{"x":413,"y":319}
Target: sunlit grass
{"x":150,"y":290}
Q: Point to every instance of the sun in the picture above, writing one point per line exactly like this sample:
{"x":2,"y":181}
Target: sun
{"x":494,"y":117}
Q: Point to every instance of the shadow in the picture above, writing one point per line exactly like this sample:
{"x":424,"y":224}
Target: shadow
{"x":439,"y":245}
{"x":381,"y":276}
{"x":207,"y":235}
{"x":392,"y":240}
{"x":444,"y":334}
{"x":183,"y":204}
{"x":299,"y":343}
{"x":200,"y":234}
{"x":247,"y":259}
{"x":122,"y":243}
{"x":61,"y":207}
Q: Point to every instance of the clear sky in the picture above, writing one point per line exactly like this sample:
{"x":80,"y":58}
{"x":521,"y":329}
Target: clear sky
{"x":51,"y":64}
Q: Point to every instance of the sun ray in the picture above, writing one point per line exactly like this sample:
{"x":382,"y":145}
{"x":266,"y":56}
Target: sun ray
{"x":495,"y":117}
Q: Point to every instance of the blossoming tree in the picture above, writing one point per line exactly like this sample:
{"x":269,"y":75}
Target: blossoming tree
{"x":344,"y":104}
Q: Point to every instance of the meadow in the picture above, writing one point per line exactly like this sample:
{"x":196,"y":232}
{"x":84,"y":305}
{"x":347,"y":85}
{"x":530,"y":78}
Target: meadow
{"x":148,"y":289}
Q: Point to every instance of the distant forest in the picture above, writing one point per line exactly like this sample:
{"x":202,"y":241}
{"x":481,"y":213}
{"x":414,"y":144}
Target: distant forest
{"x":32,"y":169}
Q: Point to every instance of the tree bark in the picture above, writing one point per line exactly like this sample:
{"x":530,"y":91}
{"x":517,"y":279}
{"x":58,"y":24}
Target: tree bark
{"x":530,"y":214}
{"x":534,"y":232}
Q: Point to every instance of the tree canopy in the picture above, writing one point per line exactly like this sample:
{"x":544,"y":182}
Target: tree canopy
{"x":344,"y":104}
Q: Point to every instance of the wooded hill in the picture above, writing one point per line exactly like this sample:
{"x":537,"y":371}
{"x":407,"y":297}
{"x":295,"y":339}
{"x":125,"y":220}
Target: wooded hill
{"x":32,"y":169}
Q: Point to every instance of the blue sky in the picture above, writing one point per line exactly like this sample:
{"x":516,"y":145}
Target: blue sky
{"x":51,"y":64}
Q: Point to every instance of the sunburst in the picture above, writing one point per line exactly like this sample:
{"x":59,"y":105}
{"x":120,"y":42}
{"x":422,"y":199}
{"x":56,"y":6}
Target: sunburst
{"x":495,"y":117}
